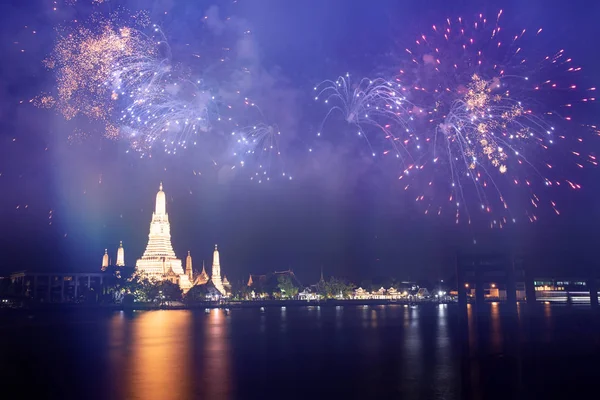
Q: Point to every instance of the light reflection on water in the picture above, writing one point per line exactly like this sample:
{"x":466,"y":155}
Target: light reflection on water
{"x":412,"y":366}
{"x":443,"y":371}
{"x":216,"y":372}
{"x":160,"y":362}
{"x":407,"y":351}
{"x":496,"y":329}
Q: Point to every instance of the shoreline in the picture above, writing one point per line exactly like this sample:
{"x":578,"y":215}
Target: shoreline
{"x":210,"y":305}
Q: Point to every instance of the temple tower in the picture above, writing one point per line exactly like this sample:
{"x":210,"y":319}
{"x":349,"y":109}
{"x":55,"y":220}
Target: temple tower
{"x":159,"y":258}
{"x":216,"y":272}
{"x":188,"y":267}
{"x":120,"y":255}
{"x":105,"y":260}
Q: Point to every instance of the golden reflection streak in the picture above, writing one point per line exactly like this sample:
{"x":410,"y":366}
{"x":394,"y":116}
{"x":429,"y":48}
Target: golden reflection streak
{"x":216,"y":368}
{"x":161,"y":357}
{"x":472,"y":330}
{"x":547,"y":322}
{"x":496,"y":329}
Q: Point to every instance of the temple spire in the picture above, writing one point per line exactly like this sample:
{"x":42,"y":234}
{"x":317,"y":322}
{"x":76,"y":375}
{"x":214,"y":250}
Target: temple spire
{"x":159,"y":259}
{"x":161,"y":202}
{"x":105,"y":260}
{"x":216,"y":261}
{"x":120,"y":255}
{"x":216,"y":272}
{"x":188,"y":267}
{"x":321,"y":274}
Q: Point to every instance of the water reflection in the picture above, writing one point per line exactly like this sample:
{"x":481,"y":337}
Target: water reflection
{"x":283,"y":324}
{"x":496,"y":329}
{"x":412,"y":360}
{"x":547,"y":322}
{"x":216,"y":381}
{"x":443,"y":375}
{"x":432,"y":351}
{"x":161,"y":358}
{"x":119,"y":335}
{"x":339,"y":311}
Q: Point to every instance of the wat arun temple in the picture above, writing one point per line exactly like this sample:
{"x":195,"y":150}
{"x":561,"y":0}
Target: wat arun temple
{"x":159,"y":261}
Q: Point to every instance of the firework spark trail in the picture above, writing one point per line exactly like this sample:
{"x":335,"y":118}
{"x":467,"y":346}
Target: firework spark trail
{"x":371,"y":103}
{"x":163,"y":105}
{"x":257,"y":147}
{"x":84,"y":59}
{"x":493,"y":108}
{"x":124,"y":77}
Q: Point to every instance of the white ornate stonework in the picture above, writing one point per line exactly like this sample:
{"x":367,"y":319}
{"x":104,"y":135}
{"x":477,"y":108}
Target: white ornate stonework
{"x":159,"y":258}
{"x":216,"y":273}
{"x":120,"y":255}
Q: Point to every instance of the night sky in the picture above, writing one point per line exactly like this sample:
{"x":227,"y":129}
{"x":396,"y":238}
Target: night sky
{"x":343,"y":211}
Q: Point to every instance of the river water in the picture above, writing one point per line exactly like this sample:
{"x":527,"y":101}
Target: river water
{"x":368,"y":352}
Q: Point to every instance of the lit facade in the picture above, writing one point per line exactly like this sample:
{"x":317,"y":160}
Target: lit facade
{"x":202,"y":278}
{"x":216,"y":273}
{"x":120,"y":255}
{"x":105,"y":260}
{"x":381,"y":294}
{"x":159,"y":260}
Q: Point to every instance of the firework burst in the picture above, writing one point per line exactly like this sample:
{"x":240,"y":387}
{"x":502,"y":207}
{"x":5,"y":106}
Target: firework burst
{"x":499,"y":118}
{"x":257,"y":148}
{"x":373,"y":107}
{"x":120,"y":73}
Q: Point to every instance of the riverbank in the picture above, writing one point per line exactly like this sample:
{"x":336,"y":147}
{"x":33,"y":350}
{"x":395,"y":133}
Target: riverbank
{"x":203,"y":305}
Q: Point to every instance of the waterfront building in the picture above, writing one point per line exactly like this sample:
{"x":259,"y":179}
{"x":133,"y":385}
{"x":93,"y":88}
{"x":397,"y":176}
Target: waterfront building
{"x":309,"y":294}
{"x":202,"y":278}
{"x":361,"y":293}
{"x":381,"y":294}
{"x":58,"y":287}
{"x":562,"y":290}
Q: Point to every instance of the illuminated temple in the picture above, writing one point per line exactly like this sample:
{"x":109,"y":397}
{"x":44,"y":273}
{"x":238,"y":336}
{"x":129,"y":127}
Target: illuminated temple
{"x":159,"y":261}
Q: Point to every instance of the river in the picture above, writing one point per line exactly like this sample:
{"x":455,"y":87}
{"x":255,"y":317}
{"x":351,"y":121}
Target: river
{"x":309,"y":352}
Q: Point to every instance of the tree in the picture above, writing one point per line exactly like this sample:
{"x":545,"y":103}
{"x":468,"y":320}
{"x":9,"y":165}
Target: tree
{"x":322,"y":288}
{"x":241,"y":291}
{"x":335,"y":287}
{"x":196,"y":294}
{"x":368,"y":285}
{"x":117,"y":283}
{"x":169,"y":291}
{"x":286,"y":286}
